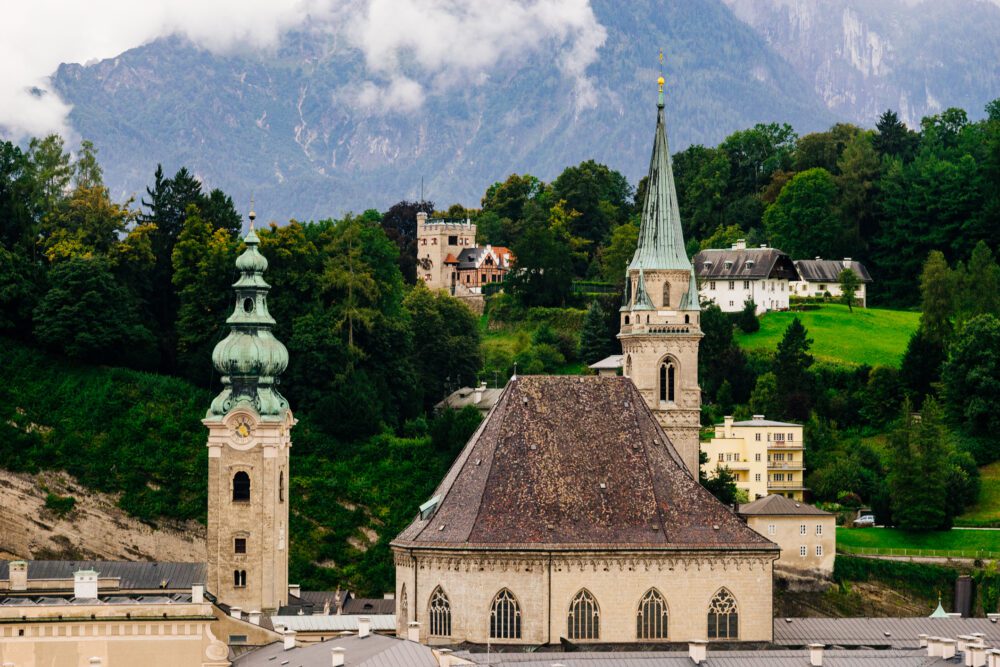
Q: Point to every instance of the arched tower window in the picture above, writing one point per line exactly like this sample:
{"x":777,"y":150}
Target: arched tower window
{"x":505,"y":616}
{"x":440,"y":614}
{"x":241,"y":486}
{"x":584,"y":618}
{"x":404,"y":611}
{"x":626,"y":319}
{"x":240,"y":578}
{"x":281,"y":486}
{"x":668,"y":381}
{"x":651,"y":617}
{"x":687,"y":319}
{"x":628,"y":366}
{"x":723,"y":616}
{"x":666,"y":295}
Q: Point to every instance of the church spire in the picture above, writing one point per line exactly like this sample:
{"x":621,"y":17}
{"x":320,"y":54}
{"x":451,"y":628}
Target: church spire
{"x":250,"y":358}
{"x":661,"y":241}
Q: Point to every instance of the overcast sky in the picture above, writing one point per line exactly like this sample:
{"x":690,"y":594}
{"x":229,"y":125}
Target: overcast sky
{"x":451,"y":42}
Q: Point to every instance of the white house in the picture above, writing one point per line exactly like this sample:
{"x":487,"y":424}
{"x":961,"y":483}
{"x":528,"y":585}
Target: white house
{"x":732,"y":277}
{"x":818,"y":277}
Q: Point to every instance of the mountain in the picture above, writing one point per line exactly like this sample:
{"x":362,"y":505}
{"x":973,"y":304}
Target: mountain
{"x":862,"y":57}
{"x":281,"y":125}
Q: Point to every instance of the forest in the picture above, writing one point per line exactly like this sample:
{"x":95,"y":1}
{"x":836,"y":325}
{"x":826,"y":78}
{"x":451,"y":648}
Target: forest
{"x":108,"y":306}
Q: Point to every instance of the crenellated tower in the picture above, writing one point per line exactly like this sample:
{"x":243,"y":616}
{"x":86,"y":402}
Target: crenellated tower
{"x":660,"y":318}
{"x":249,"y":441}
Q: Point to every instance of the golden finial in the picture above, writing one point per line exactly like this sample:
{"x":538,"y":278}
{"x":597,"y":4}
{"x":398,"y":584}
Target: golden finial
{"x":661,"y":80}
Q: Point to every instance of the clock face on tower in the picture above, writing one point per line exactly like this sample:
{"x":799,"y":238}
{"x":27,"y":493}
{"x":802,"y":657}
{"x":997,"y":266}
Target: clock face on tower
{"x":242,"y":429}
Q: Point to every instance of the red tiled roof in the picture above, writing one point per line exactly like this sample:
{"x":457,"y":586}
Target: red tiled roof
{"x":574,"y":462}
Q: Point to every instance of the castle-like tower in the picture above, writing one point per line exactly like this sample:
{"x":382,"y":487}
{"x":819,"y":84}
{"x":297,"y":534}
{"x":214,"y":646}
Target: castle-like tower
{"x":660,"y":327}
{"x":439,"y":243}
{"x":249,"y":426}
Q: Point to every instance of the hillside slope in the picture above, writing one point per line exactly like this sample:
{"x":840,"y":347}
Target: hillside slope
{"x":282,"y":126}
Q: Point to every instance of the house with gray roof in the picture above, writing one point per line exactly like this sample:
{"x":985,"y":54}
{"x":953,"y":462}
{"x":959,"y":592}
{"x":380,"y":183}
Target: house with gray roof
{"x":730,"y":278}
{"x":820,"y":277}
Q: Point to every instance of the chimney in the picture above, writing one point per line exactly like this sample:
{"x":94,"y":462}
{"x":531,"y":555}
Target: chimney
{"x":295,"y":589}
{"x":85,"y":584}
{"x":236,"y":612}
{"x":697,"y":650}
{"x":18,"y":575}
{"x":963,"y":641}
{"x":477,"y":395}
{"x":288,"y":637}
{"x":993,"y":658}
{"x":364,"y":626}
{"x":922,"y":639}
{"x":741,"y":244}
{"x":444,"y":657}
{"x":847,"y":262}
{"x":763,"y":245}
{"x":255,"y":616}
{"x":421,"y":218}
{"x":933,"y":647}
{"x":337,"y":657}
{"x":975,"y":655}
{"x":947,"y":648}
{"x":198,"y":593}
{"x":818,"y":258}
{"x":413,"y":631}
{"x":728,"y":424}
{"x":392,"y":596}
{"x":816,"y":655}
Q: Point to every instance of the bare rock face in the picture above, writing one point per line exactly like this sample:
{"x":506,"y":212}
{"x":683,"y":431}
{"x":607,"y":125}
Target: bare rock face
{"x":95,"y":528}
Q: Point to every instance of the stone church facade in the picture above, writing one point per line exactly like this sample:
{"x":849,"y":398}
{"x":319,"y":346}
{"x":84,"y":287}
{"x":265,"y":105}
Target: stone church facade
{"x":660,"y":318}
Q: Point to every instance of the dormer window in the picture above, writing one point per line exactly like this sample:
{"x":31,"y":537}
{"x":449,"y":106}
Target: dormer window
{"x":749,"y":264}
{"x":729,"y":265}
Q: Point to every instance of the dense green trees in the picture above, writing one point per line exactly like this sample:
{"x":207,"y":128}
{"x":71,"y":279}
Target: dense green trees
{"x":804,"y":220}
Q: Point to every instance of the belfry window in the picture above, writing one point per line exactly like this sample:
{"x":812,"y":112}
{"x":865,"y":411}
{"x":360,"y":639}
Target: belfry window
{"x":241,"y":487}
{"x":666,"y":295}
{"x":651,"y":617}
{"x":723,"y":616}
{"x":440,"y":614}
{"x":240,"y":578}
{"x":404,"y":610}
{"x":584,"y":619}
{"x":668,"y":374}
{"x":505,"y":616}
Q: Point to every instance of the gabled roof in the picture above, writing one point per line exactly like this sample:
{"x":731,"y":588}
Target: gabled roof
{"x":828,"y":270}
{"x":661,"y":240}
{"x":744,"y":264}
{"x":371,"y":651}
{"x":132,"y":575}
{"x":473,"y":258}
{"x":779,"y":505}
{"x":566,"y":463}
{"x":612,"y":362}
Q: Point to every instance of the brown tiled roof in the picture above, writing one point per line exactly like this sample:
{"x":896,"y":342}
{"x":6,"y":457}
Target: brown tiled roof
{"x":744,"y":264}
{"x":775,"y":505}
{"x":574,"y":463}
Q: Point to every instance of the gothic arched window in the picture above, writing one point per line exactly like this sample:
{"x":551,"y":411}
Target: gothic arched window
{"x":584,"y":618}
{"x":241,"y":486}
{"x":666,"y":295}
{"x":440,"y":614}
{"x":723,"y":616}
{"x":628,"y":366}
{"x":668,"y":373}
{"x":239,"y":578}
{"x":404,"y":611}
{"x":505,"y":616}
{"x":651,"y":617}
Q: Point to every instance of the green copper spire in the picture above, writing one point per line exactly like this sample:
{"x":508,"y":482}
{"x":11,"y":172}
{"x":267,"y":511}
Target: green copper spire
{"x":250,"y":358}
{"x":661,"y":241}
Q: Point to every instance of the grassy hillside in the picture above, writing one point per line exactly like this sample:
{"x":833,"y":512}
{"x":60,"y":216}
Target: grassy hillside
{"x":872,"y":336}
{"x":956,"y":543}
{"x":139,"y":435}
{"x":986,"y":512}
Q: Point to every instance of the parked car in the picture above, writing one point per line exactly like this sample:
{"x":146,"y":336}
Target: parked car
{"x":864,"y":520}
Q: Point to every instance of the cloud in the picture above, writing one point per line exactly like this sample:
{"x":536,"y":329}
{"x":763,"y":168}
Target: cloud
{"x":410,"y":46}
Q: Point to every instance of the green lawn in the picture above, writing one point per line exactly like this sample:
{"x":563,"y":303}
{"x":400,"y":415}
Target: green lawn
{"x":986,"y":512}
{"x":941,"y":543}
{"x":872,"y":336}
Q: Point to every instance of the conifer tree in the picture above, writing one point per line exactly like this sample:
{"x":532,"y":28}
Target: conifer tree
{"x":791,"y":364}
{"x":918,"y":481}
{"x":594,"y":343}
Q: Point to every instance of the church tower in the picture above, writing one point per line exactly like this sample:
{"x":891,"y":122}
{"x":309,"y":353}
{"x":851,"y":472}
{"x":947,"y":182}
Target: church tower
{"x":249,"y":426}
{"x":660,"y":319}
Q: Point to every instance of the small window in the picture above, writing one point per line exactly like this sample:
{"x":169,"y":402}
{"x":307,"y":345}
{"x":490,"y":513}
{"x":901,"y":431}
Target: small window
{"x":756,"y":457}
{"x":757,"y":477}
{"x":770,"y":529}
{"x":819,"y":549}
{"x":757,"y":437}
{"x":281,"y":486}
{"x":802,"y":551}
{"x":791,"y":437}
{"x":241,"y":487}
{"x":802,"y":529}
{"x":746,"y":284}
{"x":452,"y":240}
{"x":819,"y":529}
{"x":732,"y":284}
{"x":711,"y":285}
{"x":240,"y":545}
{"x":237,"y":639}
{"x":626,"y":319}
{"x":240,"y":578}
{"x":721,"y":457}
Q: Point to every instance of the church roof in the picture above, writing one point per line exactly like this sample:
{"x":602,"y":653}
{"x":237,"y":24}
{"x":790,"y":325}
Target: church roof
{"x":570,"y":463}
{"x":661,"y":240}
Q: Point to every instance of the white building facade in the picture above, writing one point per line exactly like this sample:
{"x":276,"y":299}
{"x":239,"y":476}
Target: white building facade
{"x":730,"y":278}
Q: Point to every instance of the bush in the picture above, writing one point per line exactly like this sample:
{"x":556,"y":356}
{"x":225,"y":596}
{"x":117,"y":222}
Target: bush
{"x":746,"y":319}
{"x":59,"y":505}
{"x":924,"y":580}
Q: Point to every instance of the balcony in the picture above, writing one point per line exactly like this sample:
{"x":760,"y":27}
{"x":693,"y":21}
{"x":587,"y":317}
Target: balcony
{"x":658,"y":329}
{"x":785,"y":486}
{"x":784,"y":465}
{"x":775,"y":444}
